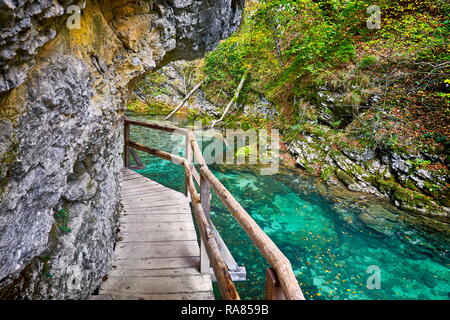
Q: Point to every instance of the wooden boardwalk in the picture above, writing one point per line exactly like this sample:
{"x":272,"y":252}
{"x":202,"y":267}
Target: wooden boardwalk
{"x":157,"y":257}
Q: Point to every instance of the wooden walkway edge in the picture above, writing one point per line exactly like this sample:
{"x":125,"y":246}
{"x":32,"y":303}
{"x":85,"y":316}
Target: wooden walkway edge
{"x":157,"y":257}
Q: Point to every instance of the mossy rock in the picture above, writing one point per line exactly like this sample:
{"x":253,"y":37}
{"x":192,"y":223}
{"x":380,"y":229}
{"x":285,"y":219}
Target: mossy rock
{"x":155,"y":107}
{"x":386,"y":186}
{"x":413,"y":199}
{"x":326,"y":172}
{"x":440,"y":194}
{"x":344,"y":177}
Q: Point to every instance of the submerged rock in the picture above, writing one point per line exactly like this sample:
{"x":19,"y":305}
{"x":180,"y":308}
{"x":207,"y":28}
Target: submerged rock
{"x":379,"y":219}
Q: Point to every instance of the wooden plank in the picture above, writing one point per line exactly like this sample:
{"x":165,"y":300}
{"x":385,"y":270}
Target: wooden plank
{"x":174,"y":199}
{"x":136,"y":158}
{"x":156,"y":263}
{"x":141,"y":218}
{"x":142,"y":191}
{"x":157,"y":255}
{"x":158,"y":210}
{"x":157,"y":226}
{"x":134,"y":176}
{"x":157,"y":126}
{"x":154,"y":203}
{"x":237,"y":275}
{"x":152,"y":195}
{"x":158,"y":153}
{"x":172,"y":272}
{"x":142,"y":187}
{"x":150,"y":285}
{"x":164,"y":250}
{"x":134,"y":237}
{"x":156,"y":206}
{"x":139,"y":178}
{"x":273,"y":288}
{"x":205,"y":295}
{"x":127,"y":176}
{"x":138,"y":181}
{"x":227,"y":256}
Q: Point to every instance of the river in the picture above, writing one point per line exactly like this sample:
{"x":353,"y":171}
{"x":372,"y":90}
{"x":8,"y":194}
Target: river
{"x":333,"y":253}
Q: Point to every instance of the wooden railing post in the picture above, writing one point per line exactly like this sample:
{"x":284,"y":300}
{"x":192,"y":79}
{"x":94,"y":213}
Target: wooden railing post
{"x":273,"y":287}
{"x":126,"y":148}
{"x":189,"y":158}
{"x":205,"y":198}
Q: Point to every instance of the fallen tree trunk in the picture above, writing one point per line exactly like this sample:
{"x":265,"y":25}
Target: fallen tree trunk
{"x":181,"y":104}
{"x":235,"y":97}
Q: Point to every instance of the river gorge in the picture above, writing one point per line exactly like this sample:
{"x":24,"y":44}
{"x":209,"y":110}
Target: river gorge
{"x":330,"y":237}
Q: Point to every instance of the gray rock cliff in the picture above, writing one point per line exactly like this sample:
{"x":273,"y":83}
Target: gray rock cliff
{"x":62,"y":94}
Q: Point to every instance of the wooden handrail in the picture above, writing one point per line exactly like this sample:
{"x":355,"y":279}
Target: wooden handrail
{"x":226,"y":285}
{"x":266,"y":246}
{"x":273,"y":255}
{"x":157,"y":126}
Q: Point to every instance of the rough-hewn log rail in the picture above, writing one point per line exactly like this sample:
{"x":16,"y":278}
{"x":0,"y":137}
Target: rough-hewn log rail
{"x":280,"y":279}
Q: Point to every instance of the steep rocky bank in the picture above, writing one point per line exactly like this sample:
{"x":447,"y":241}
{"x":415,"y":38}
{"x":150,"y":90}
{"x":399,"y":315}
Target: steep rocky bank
{"x":401,"y":177}
{"x":62,"y":101}
{"x":397,"y":176}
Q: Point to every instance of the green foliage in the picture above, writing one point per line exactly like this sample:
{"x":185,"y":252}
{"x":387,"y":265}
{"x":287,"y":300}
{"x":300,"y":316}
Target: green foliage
{"x":419,"y":163}
{"x":292,"y":49}
{"x":367,"y":62}
{"x":154,"y":106}
{"x":326,"y":173}
{"x":152,"y":84}
{"x":62,"y":220}
{"x":288,"y":45}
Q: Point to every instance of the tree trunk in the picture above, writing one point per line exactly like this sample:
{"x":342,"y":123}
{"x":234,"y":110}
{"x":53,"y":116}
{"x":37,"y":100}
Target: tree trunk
{"x":234,"y":100}
{"x":181,"y":104}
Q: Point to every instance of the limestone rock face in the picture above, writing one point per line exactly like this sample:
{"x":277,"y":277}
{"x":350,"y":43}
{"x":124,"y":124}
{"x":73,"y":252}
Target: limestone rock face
{"x":62,"y":94}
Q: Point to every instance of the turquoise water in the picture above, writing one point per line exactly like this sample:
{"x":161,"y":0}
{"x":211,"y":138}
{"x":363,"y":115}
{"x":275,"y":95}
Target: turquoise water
{"x":329,"y":247}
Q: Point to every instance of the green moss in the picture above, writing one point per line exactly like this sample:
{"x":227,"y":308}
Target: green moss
{"x":413,"y":199}
{"x":344,"y":177}
{"x":62,"y":221}
{"x":46,"y":266}
{"x":367,"y":62}
{"x":386,"y":186}
{"x":357,"y":169}
{"x":327,"y":172}
{"x":196,"y":115}
{"x":154,"y":107}
{"x":410,"y":184}
{"x":9,"y":157}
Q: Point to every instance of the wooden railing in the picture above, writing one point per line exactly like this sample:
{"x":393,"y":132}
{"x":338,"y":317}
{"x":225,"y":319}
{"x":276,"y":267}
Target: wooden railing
{"x":280,"y":279}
